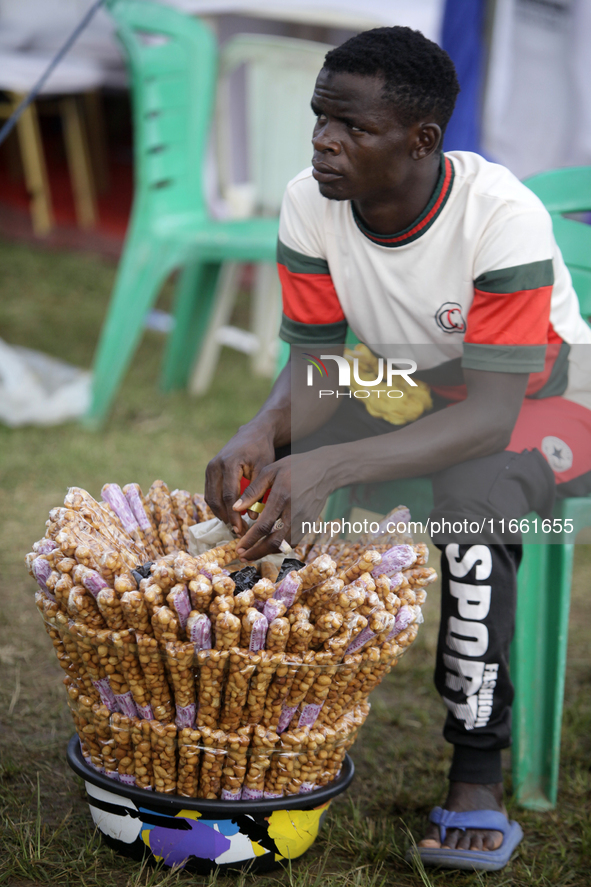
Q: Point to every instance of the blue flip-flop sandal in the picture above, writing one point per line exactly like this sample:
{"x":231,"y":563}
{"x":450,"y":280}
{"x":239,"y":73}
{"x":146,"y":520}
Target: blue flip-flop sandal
{"x":475,"y":860}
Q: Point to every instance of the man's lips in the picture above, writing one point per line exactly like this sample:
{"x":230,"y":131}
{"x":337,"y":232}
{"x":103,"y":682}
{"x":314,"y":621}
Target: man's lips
{"x":323,"y":173}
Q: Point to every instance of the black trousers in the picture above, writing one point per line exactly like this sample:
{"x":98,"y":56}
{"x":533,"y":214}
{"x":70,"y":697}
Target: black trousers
{"x":478,"y":583}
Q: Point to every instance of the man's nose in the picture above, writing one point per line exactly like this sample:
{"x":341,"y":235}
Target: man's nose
{"x":324,"y":138}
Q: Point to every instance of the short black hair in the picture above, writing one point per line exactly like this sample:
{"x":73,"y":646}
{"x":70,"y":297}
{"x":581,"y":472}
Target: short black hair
{"x":420,"y":78}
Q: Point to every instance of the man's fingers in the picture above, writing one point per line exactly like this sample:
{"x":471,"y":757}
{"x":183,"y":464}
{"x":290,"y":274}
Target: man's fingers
{"x":255,"y":490}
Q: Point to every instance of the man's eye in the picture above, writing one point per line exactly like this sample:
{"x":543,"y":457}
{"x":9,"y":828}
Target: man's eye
{"x":354,"y":128}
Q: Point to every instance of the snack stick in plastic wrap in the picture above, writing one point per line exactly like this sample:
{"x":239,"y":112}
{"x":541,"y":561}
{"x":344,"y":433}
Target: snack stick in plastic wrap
{"x":180,"y":603}
{"x":338,"y":699}
{"x":367,"y":562}
{"x":302,"y":682}
{"x":92,"y":581}
{"x":243,"y":601}
{"x":163,"y":743}
{"x":159,"y":497}
{"x":315,"y":597}
{"x":277,"y":635}
{"x":395,"y":559}
{"x":163,"y":573}
{"x":198,"y":631}
{"x":49,"y":610}
{"x":186,"y":568}
{"x":136,"y":612}
{"x":180,"y":657}
{"x":317,"y":572}
{"x":88,"y":730}
{"x":75,"y":654}
{"x":280,"y":689}
{"x":155,"y":676}
{"x":201,"y":593}
{"x":184,"y":510}
{"x":289,"y":589}
{"x":143,"y":516}
{"x":224,"y":554}
{"x":83,"y":608}
{"x":129,"y":665}
{"x":316,"y":696}
{"x":223,"y":585}
{"x":105,"y":521}
{"x":212,"y":665}
{"x":165,"y":625}
{"x":111,"y":610}
{"x":422,"y":553}
{"x":44,"y":546}
{"x":110,"y":564}
{"x":170,"y":533}
{"x":349,"y":598}
{"x":222,"y":603}
{"x":125,"y":581}
{"x":41,"y":570}
{"x":338,"y":644}
{"x":188,"y":769}
{"x":298,"y":613}
{"x":326,"y":625}
{"x":407,"y":636}
{"x":263,"y":744}
{"x":420,"y":576}
{"x":115,"y":497}
{"x":121,"y":730}
{"x":112,"y":685}
{"x":379,"y":624}
{"x":300,"y":637}
{"x":259,"y":685}
{"x":153,"y":596}
{"x":389,"y":655}
{"x":241,"y":668}
{"x":370,"y":660}
{"x":254,"y":630}
{"x":202,"y":510}
{"x":61,"y":591}
{"x":227,"y":629}
{"x":209,"y":569}
{"x":142,"y":753}
{"x":312,"y":762}
{"x":273,"y":609}
{"x":283,"y":777}
{"x":73,"y":691}
{"x":421,"y":596}
{"x":263,"y":590}
{"x":213,"y":758}
{"x":235,"y":764}
{"x":354,"y":623}
{"x":102,"y":722}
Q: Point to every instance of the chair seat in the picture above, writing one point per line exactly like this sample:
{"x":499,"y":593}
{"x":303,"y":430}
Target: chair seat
{"x":19,"y":71}
{"x":248,"y":240}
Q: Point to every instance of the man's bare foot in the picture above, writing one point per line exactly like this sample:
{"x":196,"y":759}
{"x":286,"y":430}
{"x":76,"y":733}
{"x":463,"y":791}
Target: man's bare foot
{"x":462,"y":797}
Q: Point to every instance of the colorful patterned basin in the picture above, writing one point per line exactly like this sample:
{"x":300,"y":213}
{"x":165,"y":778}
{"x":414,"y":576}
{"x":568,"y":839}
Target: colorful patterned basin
{"x":202,"y":834}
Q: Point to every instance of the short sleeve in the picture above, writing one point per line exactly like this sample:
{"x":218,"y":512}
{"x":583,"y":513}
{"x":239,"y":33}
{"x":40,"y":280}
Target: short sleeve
{"x":312,"y":311}
{"x":509,"y":319}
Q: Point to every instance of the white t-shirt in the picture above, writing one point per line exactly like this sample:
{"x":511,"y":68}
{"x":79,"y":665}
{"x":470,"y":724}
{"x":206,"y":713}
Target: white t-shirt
{"x":477,"y":276}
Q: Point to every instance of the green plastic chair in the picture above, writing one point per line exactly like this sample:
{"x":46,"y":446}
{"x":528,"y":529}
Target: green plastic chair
{"x":173,"y":67}
{"x":538,"y":652}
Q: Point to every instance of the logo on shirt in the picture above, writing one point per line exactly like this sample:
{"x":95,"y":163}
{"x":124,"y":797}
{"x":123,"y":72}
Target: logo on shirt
{"x":558,"y":453}
{"x":449,"y":318}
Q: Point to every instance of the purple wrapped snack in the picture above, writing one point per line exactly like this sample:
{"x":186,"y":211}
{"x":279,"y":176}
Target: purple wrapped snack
{"x":113,"y":494}
{"x":126,"y":705}
{"x":309,"y":714}
{"x":398,"y":558}
{"x":93,"y":582}
{"x":178,"y":600}
{"x":285,"y":717}
{"x":199,"y":631}
{"x":405,"y":617}
{"x":288,"y":589}
{"x":105,"y":691}
{"x":362,"y":638}
{"x":41,"y":571}
{"x":44,"y":546}
{"x":274,"y":608}
{"x":185,"y":716}
{"x":258,"y":634}
{"x":137,"y":508}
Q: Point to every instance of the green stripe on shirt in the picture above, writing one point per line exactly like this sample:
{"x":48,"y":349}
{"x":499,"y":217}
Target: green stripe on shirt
{"x":296,"y":333}
{"x":520,"y":277}
{"x":504,"y":358}
{"x":298,"y":263}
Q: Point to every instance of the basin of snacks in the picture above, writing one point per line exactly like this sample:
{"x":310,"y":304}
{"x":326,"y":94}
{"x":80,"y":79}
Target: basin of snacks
{"x":202,"y":834}
{"x":209,"y":695}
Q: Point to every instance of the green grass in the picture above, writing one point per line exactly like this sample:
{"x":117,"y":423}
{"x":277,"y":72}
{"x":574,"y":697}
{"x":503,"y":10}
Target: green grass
{"x":56,"y":303}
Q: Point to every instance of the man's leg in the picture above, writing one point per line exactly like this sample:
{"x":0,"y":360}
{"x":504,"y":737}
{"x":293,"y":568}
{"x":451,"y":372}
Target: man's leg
{"x":479,"y":592}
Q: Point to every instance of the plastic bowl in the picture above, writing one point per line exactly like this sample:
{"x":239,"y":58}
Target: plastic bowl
{"x":199,"y":834}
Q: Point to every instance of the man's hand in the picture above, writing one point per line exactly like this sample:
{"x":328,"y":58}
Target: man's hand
{"x":245,"y":455}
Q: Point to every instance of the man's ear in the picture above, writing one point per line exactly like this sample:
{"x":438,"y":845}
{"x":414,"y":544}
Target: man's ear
{"x":427,"y":138}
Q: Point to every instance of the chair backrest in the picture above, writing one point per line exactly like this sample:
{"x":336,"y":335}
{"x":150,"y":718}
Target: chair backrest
{"x":173,"y":68}
{"x":279,"y":78}
{"x":569,"y":191}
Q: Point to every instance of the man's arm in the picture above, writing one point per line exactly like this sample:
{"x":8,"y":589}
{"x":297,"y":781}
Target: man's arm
{"x":478,"y":426}
{"x":253,"y":447}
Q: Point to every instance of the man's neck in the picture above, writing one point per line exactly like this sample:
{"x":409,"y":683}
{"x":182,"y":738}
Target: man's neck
{"x":397,"y":209}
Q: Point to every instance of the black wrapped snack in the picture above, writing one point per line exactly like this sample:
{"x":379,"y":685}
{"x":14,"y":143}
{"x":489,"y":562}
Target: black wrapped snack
{"x":245,"y":578}
{"x":142,"y":572}
{"x":289,"y":564}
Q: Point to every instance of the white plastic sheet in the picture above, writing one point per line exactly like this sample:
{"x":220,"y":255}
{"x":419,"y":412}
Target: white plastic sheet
{"x":36,"y":389}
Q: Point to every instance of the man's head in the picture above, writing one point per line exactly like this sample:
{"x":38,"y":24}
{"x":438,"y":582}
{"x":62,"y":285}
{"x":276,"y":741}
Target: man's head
{"x":383,"y":100}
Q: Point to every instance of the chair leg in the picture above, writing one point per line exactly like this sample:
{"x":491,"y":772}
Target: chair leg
{"x":209,"y":353}
{"x":35,"y":170}
{"x":538,"y":666}
{"x":94,"y":119}
{"x":142,"y":271}
{"x":195,"y":296}
{"x":266,"y":312}
{"x":79,"y":162}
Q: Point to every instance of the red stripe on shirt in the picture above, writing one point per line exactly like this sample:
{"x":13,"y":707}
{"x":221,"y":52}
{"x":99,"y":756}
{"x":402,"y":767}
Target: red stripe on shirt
{"x":309,"y":298}
{"x":519,"y":318}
